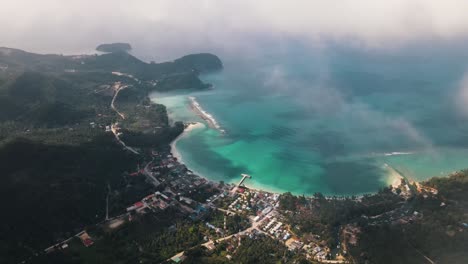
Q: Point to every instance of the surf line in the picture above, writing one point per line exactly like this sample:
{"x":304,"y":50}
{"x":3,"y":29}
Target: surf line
{"x":396,"y":153}
{"x":196,"y":107}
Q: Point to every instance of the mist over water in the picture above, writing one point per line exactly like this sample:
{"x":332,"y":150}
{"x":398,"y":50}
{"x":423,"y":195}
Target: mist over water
{"x":306,"y":119}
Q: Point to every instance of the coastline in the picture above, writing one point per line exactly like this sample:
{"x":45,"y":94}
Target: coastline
{"x":190,"y":126}
{"x":393,"y":177}
{"x":176,"y":154}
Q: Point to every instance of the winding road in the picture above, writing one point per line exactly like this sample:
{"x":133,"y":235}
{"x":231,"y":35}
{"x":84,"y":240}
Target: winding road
{"x":118,"y":87}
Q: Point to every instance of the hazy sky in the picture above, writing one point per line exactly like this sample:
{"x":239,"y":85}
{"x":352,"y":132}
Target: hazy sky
{"x":174,"y":27}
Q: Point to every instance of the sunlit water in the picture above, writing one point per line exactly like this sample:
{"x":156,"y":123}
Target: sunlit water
{"x":327,"y":120}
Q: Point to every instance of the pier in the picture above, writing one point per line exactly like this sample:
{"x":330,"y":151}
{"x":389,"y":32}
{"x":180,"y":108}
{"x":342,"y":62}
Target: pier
{"x":244,"y":176}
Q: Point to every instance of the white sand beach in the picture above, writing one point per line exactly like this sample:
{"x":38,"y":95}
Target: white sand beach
{"x":187,"y":131}
{"x":195,"y":106}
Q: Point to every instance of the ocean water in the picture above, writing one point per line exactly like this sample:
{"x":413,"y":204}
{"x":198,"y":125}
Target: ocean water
{"x":308,"y":120}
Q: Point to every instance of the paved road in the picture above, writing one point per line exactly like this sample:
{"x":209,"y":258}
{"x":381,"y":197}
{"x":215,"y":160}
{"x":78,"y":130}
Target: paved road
{"x":117,"y":88}
{"x":225,"y":211}
{"x":149,"y":174}
{"x":114,"y":131}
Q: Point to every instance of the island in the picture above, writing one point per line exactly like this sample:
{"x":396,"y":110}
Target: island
{"x":88,"y":176}
{"x":114,"y":47}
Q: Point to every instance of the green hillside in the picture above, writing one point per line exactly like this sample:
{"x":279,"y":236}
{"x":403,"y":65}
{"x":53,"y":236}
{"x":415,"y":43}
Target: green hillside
{"x":58,"y":162}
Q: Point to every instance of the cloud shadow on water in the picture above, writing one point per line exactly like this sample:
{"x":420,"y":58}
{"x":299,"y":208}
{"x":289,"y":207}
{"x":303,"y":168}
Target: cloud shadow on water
{"x":219,"y":166}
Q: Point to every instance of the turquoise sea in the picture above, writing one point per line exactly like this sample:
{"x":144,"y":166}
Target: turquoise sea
{"x":307,"y":119}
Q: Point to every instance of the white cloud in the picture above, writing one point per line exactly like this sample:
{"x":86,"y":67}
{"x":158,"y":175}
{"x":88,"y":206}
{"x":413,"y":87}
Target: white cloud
{"x":48,"y":24}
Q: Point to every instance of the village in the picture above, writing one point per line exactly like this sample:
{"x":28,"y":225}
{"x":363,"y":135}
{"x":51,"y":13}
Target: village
{"x":196,"y":198}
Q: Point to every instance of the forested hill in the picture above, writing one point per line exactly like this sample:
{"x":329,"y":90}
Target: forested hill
{"x":57,"y":90}
{"x":58,"y":158}
{"x":15,"y":60}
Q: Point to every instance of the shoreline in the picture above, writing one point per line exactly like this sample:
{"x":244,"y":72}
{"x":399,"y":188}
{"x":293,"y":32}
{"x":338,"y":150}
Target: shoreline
{"x":176,"y":154}
{"x":393,"y":178}
{"x":187,"y":129}
{"x":254,"y":187}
